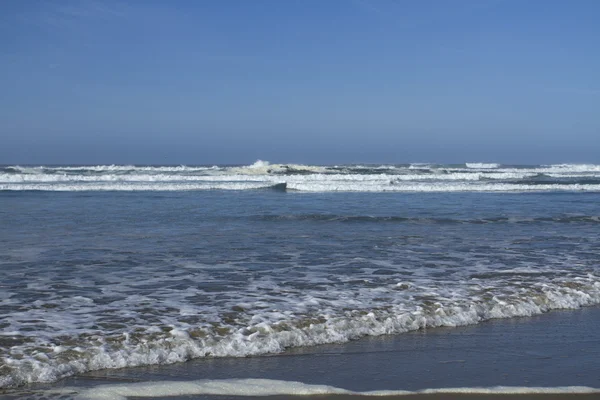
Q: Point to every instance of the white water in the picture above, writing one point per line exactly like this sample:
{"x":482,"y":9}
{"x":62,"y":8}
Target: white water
{"x":272,"y":331}
{"x":482,"y":165}
{"x":115,"y":281}
{"x":270,"y":387}
{"x":473,"y":177}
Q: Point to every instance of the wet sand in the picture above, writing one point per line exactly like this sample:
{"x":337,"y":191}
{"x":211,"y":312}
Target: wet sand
{"x":558,"y":349}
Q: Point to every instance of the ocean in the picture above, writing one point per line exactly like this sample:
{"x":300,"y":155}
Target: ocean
{"x":114,"y":266}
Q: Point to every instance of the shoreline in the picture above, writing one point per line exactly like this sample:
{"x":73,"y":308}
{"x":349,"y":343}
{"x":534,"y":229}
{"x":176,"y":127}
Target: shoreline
{"x":555,"y":349}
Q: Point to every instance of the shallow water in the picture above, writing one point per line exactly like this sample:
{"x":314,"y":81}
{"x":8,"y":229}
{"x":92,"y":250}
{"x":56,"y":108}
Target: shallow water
{"x":108,"y":279}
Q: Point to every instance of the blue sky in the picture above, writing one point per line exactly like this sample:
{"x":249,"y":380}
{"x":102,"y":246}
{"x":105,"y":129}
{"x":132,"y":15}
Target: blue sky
{"x":95,"y":81}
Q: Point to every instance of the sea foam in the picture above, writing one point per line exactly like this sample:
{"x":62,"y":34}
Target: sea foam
{"x":271,"y":387}
{"x":472,"y":177}
{"x":275,"y":332}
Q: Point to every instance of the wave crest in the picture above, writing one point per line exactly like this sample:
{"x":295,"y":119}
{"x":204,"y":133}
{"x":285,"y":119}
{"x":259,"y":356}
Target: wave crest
{"x":171,"y":345}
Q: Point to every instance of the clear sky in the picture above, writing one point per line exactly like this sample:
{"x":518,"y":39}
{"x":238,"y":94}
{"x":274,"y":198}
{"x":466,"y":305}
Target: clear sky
{"x":311,"y":81}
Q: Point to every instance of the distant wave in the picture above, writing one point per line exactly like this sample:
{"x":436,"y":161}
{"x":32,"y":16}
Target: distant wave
{"x":468,"y":177}
{"x":147,"y":187}
{"x":575,"y":167}
{"x":103,"y":168}
{"x":482,"y":165}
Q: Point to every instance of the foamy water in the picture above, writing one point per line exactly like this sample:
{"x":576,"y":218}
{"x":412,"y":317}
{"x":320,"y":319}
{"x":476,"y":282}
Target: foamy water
{"x":93,"y":280}
{"x":270,"y":387}
{"x":306,"y":178}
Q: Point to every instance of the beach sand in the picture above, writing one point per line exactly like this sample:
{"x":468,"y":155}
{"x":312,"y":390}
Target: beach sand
{"x":557,"y":349}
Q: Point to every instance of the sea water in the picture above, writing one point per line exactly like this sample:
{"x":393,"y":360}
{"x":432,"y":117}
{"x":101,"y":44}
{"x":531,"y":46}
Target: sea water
{"x":118,"y":266}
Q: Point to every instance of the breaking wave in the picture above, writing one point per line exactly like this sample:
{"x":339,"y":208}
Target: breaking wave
{"x":267,"y":331}
{"x":470,"y":177}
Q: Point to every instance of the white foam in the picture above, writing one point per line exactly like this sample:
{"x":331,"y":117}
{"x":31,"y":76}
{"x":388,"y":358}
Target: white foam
{"x":138,"y":186}
{"x":420,"y":166}
{"x":273,"y":331}
{"x":354,"y":186}
{"x":259,"y":164}
{"x":303,"y":183}
{"x":145,"y":178}
{"x":271,"y":387}
{"x":261,"y":167}
{"x":482,"y":165}
{"x":113,"y":168}
{"x":473,"y":177}
{"x":574,"y":167}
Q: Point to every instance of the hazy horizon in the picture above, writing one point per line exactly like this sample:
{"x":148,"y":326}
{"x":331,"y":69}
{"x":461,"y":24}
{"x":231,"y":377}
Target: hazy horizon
{"x":357,"y":81}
